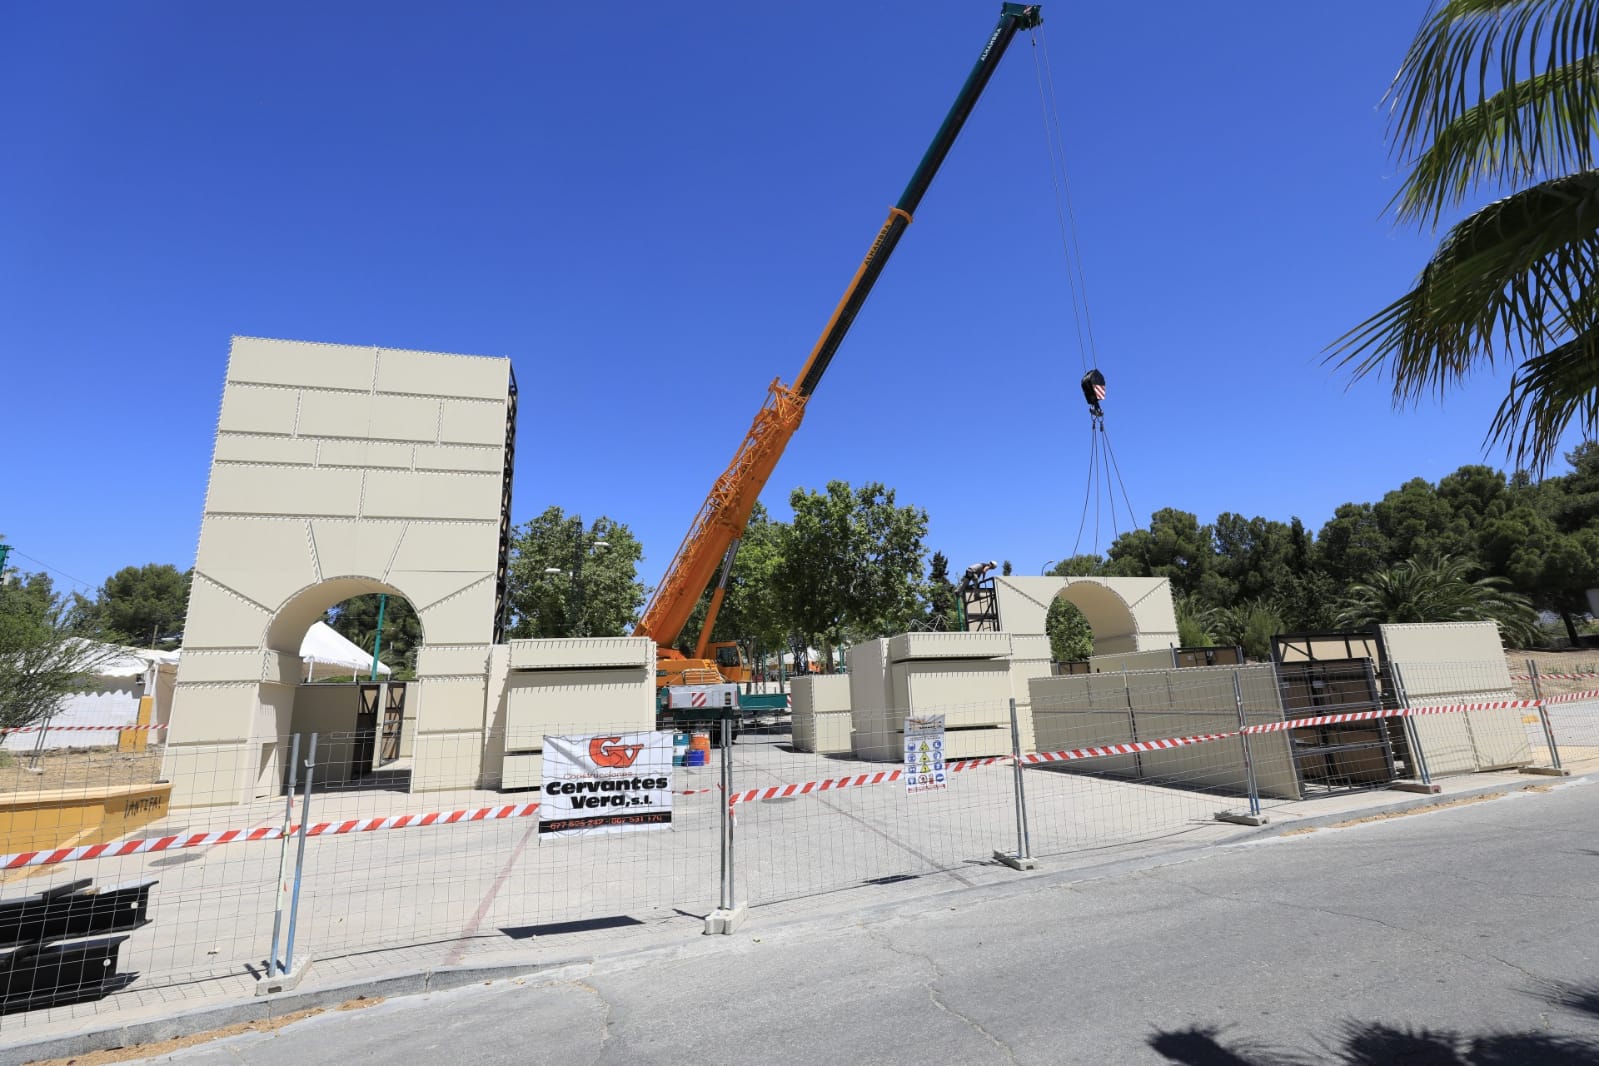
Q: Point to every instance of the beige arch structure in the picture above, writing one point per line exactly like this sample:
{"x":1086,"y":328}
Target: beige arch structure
{"x":1127,"y":613}
{"x":340,"y":471}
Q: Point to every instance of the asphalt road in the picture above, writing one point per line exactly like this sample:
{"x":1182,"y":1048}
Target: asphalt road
{"x":1465,"y":935}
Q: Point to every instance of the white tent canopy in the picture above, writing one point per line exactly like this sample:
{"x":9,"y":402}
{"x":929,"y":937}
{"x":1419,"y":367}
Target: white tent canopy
{"x":325,"y":646}
{"x":132,"y":662}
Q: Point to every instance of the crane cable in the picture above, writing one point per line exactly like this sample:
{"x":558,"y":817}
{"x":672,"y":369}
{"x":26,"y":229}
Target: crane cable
{"x":1093,"y":470}
{"x":1102,"y":455}
{"x":1077,"y":284}
{"x":1060,"y":185}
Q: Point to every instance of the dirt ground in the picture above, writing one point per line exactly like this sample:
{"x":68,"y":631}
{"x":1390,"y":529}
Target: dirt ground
{"x":1574,"y":671}
{"x":166,"y":1047}
{"x":68,"y":768}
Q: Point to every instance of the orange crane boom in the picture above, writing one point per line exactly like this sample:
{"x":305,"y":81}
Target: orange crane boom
{"x":714,"y":535}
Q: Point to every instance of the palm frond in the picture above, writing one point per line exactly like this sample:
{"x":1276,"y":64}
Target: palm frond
{"x":1548,"y":391}
{"x":1520,"y":134}
{"x":1436,"y":589}
{"x":1469,"y":51}
{"x":1512,"y":281}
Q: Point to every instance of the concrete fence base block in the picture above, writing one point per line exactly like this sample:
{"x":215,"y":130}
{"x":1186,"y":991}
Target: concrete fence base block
{"x":723,"y":921}
{"x":1546,"y":771}
{"x":1016,"y":862}
{"x":1241,"y":819}
{"x":282,"y":982}
{"x":1415,"y":786}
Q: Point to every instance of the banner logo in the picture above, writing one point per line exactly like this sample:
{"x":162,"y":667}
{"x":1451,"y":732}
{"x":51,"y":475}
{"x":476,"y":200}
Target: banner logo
{"x":610,"y":753}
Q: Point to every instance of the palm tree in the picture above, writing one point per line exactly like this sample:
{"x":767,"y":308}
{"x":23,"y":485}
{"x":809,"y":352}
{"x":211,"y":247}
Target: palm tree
{"x":1249,"y":625}
{"x":1502,"y":95}
{"x":1196,"y":622}
{"x":1437,"y":589}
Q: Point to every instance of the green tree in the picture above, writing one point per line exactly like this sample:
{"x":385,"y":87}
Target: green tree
{"x":1196,"y":622}
{"x":142,"y":605}
{"x":1307,"y":602}
{"x":1417,"y":520}
{"x":1497,"y":94}
{"x":1079,"y":566}
{"x":1255,"y":556}
{"x":356,"y":619}
{"x":1250,"y":625}
{"x":567,"y":579}
{"x":1553,"y":569}
{"x":851,"y":564}
{"x":1301,"y":549}
{"x":1573,"y":500}
{"x":1353,"y":544}
{"x":942,"y":611}
{"x":1071,"y":638}
{"x":1438,"y":589}
{"x":1474,"y":494}
{"x":1175,"y":546}
{"x":44,"y":656}
{"x":751,"y":612}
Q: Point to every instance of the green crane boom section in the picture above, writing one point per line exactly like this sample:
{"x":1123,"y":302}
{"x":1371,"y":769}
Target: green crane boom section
{"x":713,"y":537}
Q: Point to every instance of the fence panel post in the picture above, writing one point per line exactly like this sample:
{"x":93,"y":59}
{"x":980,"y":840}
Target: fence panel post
{"x":1382,"y":723}
{"x":291,"y":970}
{"x":1254,"y":817}
{"x":1022,"y":858}
{"x":1412,"y":734}
{"x":275,"y":962}
{"x":1249,"y":755}
{"x":38,"y":746}
{"x":729,"y":914}
{"x":1543,"y":715}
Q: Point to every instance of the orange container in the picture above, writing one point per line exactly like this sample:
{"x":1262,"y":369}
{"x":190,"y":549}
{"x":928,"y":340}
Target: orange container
{"x":700,"y":742}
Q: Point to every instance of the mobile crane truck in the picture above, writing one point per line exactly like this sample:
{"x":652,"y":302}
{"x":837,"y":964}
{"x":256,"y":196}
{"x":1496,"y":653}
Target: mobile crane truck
{"x":698,"y":688}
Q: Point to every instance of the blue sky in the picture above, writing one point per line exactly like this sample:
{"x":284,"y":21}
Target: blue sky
{"x":652,"y":210}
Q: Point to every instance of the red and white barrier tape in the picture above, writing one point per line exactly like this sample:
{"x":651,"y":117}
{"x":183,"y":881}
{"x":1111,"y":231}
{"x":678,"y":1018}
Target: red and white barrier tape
{"x":1572,"y":697}
{"x":402,"y":821}
{"x":1556,"y":677}
{"x":1130,"y":748}
{"x":80,"y":728}
{"x":203,"y":840}
{"x":1398,"y":712}
{"x":880,"y":777}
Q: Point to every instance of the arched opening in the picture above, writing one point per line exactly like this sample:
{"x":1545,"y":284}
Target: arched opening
{"x":359,"y":707}
{"x":1071,"y":638}
{"x":1087,"y":608}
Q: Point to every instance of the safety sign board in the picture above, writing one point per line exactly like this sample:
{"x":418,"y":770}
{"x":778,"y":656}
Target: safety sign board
{"x":611,"y":783}
{"x":924,"y":754}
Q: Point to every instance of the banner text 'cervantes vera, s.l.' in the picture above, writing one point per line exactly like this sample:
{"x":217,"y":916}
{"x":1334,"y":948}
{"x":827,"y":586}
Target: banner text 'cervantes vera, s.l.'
{"x":611,"y":783}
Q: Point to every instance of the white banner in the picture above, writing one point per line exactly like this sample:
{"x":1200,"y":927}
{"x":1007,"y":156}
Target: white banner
{"x":924,"y":754}
{"x":612,"y":783}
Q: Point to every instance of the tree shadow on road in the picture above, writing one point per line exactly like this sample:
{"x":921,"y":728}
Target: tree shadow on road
{"x":1375,"y":1044}
{"x":1382,"y":1045}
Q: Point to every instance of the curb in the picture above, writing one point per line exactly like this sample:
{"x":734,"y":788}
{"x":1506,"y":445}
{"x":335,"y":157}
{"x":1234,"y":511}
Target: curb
{"x":1420,"y":803}
{"x":204,"y":1019}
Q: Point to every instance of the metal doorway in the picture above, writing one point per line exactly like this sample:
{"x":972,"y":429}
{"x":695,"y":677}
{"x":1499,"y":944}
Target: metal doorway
{"x":393,"y":722}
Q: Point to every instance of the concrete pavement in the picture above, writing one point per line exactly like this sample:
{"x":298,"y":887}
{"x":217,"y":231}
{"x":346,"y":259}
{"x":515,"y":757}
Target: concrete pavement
{"x":1353,"y":945}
